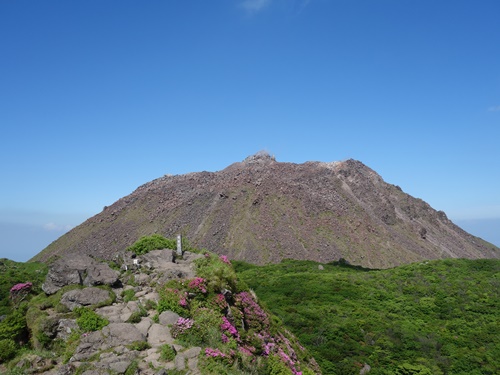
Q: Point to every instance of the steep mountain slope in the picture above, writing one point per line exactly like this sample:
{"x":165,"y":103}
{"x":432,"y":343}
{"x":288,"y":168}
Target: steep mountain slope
{"x":261,"y":210}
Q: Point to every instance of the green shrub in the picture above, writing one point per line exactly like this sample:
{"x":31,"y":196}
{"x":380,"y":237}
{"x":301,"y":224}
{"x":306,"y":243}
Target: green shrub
{"x":128,"y":295}
{"x":150,"y":304}
{"x":167,"y":353}
{"x":219,"y":275}
{"x":14,"y":327}
{"x":170,"y":301}
{"x":137,"y":315}
{"x":89,"y":320}
{"x":156,"y":318}
{"x":12,"y":273}
{"x":132,"y":368}
{"x":139,"y":346}
{"x":154,"y":242}
{"x":8,"y":349}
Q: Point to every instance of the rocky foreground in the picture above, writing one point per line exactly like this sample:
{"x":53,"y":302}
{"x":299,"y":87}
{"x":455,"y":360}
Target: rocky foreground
{"x":110,"y":321}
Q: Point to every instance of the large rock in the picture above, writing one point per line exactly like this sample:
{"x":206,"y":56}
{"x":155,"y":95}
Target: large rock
{"x":168,"y":318}
{"x":111,"y":336}
{"x":84,"y":297}
{"x":159,"y":335}
{"x":101,"y":274}
{"x":65,"y":327}
{"x":78,"y":269}
{"x":66,"y":271}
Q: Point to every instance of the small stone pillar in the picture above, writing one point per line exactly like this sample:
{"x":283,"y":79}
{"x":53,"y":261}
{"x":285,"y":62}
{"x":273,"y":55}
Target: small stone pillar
{"x":179,"y":245}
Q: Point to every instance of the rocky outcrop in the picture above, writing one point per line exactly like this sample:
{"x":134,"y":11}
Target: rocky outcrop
{"x":122,"y":343}
{"x":135,"y":337}
{"x":84,"y":297}
{"x":78,"y":269}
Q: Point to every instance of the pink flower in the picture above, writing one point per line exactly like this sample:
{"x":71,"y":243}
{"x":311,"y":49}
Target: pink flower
{"x":21,"y":286}
{"x":226,"y":326}
{"x":181,"y":326}
{"x":198,"y":283}
{"x":224,"y":259}
{"x":214,"y":353}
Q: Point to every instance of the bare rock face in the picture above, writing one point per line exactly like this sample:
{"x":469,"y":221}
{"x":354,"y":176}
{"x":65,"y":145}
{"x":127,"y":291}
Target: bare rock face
{"x":78,"y":269}
{"x":260,"y":210}
{"x":100,"y":274}
{"x":67,"y":271}
{"x":84,"y":297}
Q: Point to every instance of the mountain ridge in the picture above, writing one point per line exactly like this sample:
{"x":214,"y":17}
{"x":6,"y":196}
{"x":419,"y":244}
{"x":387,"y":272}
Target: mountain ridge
{"x":261,"y":210}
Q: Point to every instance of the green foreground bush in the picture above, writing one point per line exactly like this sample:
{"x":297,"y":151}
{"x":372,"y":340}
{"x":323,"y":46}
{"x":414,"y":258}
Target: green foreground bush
{"x":154,"y":242}
{"x":89,"y":320}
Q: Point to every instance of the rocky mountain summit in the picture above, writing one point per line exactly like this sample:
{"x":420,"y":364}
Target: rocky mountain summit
{"x":154,"y":314}
{"x":261,"y":210}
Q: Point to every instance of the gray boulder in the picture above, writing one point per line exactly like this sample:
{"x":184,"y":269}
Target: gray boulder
{"x":78,"y":269}
{"x":65,"y":328}
{"x":66,"y":271}
{"x":111,"y":336}
{"x":101,"y":274}
{"x":168,"y":318}
{"x":84,"y":297}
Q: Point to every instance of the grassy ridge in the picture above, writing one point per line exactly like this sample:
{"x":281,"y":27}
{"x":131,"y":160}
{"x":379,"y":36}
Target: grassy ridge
{"x":437,"y":317}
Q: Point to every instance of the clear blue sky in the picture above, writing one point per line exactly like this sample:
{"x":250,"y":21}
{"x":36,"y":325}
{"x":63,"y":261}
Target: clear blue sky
{"x":99,"y":97}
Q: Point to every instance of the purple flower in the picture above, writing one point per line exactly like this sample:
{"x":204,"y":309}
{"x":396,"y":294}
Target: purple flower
{"x":255,"y":316}
{"x":181,"y":326}
{"x":199,"y":284}
{"x":226,"y":326}
{"x":224,"y":259}
{"x":214,"y":353}
{"x":21,"y":286}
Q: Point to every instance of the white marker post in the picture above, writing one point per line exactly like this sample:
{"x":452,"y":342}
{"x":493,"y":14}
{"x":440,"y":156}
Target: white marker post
{"x":179,"y":245}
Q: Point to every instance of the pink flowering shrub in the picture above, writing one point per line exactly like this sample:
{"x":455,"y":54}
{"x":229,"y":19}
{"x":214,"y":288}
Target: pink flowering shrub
{"x":19,"y":292}
{"x":181,"y":327}
{"x":172,"y":299}
{"x":255,"y":317}
{"x":209,"y":352}
{"x":219,"y":302}
{"x":234,"y":330}
{"x":198,"y":284}
{"x":21,"y":287}
{"x":227,"y":328}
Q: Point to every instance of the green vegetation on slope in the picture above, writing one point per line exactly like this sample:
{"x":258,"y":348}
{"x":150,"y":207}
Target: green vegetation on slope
{"x":12,"y":273}
{"x":437,"y":317}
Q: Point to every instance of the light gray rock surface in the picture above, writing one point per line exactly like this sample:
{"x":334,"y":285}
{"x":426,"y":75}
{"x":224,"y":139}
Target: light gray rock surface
{"x":84,"y":297}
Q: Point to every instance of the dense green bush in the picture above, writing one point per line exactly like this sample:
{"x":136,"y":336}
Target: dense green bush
{"x":154,"y":242}
{"x":14,"y":327}
{"x":218,"y":272}
{"x":89,"y":320}
{"x":12,"y":273}
{"x":8,"y":349}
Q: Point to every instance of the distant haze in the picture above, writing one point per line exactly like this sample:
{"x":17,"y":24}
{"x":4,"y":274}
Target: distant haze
{"x":20,"y":242}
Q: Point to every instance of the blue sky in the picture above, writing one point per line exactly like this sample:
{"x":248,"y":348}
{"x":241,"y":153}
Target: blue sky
{"x":99,"y":97}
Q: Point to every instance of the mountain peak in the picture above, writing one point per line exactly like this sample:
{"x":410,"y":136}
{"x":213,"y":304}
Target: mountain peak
{"x":262,"y":211}
{"x":260,"y":157}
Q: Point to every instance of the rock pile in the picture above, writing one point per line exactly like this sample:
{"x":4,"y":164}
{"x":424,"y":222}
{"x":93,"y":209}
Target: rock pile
{"x":124,"y":342}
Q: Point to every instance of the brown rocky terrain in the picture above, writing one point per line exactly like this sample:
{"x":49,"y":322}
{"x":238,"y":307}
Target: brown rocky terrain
{"x":261,"y":210}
